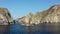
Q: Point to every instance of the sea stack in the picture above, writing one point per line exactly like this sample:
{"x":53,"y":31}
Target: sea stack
{"x":52,"y":15}
{"x":5,"y":17}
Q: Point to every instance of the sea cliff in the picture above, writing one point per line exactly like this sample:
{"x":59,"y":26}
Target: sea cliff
{"x":5,"y":17}
{"x":51,"y":15}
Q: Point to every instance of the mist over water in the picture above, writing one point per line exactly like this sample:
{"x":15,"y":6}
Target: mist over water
{"x":37,"y":29}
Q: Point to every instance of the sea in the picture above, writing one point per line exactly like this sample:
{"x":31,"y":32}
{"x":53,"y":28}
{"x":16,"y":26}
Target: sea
{"x":37,"y":29}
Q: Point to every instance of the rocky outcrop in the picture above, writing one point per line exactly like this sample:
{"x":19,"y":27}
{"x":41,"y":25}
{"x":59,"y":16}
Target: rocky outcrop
{"x":5,"y":17}
{"x":52,"y":15}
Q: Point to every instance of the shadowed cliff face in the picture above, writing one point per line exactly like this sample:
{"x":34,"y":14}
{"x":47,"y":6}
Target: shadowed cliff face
{"x":51,"y":15}
{"x":5,"y":17}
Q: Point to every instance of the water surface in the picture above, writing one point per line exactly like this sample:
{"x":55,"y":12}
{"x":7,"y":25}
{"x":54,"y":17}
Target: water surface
{"x":37,"y":29}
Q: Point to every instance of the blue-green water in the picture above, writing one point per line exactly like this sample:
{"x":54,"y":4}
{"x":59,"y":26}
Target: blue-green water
{"x":37,"y":29}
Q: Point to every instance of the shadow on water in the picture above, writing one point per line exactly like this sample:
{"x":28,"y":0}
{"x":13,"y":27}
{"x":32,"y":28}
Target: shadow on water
{"x":4,"y":29}
{"x":37,"y":29}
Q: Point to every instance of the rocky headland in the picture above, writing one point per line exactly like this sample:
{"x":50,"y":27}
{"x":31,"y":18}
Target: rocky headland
{"x":5,"y":17}
{"x":51,"y":15}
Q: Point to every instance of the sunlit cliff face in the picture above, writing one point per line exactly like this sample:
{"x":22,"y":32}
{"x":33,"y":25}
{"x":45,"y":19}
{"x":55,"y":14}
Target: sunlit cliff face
{"x":51,"y":15}
{"x":5,"y":16}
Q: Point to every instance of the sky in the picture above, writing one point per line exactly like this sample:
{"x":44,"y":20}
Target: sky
{"x":19,"y":8}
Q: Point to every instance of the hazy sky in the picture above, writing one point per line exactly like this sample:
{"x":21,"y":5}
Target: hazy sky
{"x":20,"y":8}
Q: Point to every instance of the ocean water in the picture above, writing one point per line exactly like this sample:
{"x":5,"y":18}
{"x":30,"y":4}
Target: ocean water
{"x":37,"y":29}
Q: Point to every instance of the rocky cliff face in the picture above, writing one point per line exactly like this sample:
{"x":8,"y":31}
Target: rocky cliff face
{"x":5,"y":17}
{"x":52,"y":15}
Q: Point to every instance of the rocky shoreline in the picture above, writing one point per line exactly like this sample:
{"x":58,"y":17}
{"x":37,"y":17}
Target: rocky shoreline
{"x":52,"y":15}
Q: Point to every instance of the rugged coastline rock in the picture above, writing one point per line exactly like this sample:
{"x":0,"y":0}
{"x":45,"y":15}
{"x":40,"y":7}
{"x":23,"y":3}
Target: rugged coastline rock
{"x":5,"y":17}
{"x":52,"y":15}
